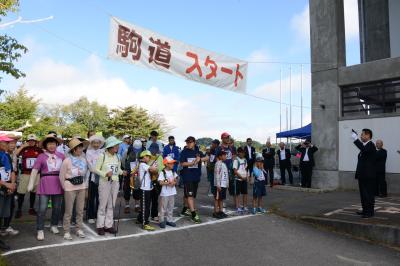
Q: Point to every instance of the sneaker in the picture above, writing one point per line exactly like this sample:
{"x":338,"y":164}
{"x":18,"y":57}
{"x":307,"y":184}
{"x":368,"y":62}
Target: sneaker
{"x":100,"y":231}
{"x":137,"y":208}
{"x":3,"y":232}
{"x":254,"y":211}
{"x":12,"y":232}
{"x":223,"y":215}
{"x":67,"y":236}
{"x":172,"y":224}
{"x":154,"y":219}
{"x":32,"y":212}
{"x":127,"y":209}
{"x":4,"y":246}
{"x":186,"y":213}
{"x":91,"y":221}
{"x":261,"y":210}
{"x":196,"y":219}
{"x":80,"y":234}
{"x":54,"y":229}
{"x":18,"y":214}
{"x":216,"y":215}
{"x":110,"y":230}
{"x":148,"y":227}
{"x":239,"y":211}
{"x":245,"y":209}
{"x":40,"y":235}
{"x":162,"y":225}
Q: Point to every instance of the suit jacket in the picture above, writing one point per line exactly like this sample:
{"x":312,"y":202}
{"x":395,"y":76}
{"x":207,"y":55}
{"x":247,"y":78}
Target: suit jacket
{"x":247,"y":155}
{"x":269,"y":157}
{"x":310,"y":153}
{"x":366,"y":165}
{"x":381,"y":156}
{"x":285,"y":162}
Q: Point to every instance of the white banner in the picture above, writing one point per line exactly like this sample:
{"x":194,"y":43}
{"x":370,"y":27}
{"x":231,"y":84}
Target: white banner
{"x":139,"y":46}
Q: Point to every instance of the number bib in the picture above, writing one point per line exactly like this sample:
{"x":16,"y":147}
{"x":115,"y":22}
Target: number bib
{"x":224,"y":179}
{"x":113,"y":167}
{"x":171,"y":155}
{"x":5,"y":175}
{"x":192,"y":160}
{"x":212,"y":157}
{"x":30,"y":162}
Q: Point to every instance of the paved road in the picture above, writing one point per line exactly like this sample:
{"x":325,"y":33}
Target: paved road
{"x":238,"y":240}
{"x":253,"y":240}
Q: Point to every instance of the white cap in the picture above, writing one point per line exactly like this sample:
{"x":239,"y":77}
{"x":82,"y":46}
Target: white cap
{"x":126,"y":136}
{"x":137,"y":144}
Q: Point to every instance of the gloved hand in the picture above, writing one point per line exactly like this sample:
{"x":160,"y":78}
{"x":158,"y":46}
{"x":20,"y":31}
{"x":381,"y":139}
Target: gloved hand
{"x":354,"y":136}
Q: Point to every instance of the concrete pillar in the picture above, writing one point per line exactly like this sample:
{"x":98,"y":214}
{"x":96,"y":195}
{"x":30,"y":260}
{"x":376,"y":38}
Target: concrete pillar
{"x":374,"y":29}
{"x":327,"y":55}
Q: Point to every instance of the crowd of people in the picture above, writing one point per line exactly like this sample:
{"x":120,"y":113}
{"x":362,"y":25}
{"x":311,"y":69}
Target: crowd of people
{"x":78,"y":174}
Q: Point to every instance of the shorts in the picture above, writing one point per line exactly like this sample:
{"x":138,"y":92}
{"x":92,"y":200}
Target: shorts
{"x":221,"y":194}
{"x":239,"y":187}
{"x":24,"y":182}
{"x":190,"y":189}
{"x":259,"y":189}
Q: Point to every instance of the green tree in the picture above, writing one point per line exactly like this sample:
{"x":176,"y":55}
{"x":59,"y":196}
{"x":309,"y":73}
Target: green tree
{"x":135,"y":121}
{"x":17,"y":109}
{"x":90,"y":115}
{"x":10,"y":49}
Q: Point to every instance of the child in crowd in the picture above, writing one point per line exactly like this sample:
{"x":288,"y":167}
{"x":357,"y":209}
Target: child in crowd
{"x":167,"y":179}
{"x":259,"y":190}
{"x":221,"y":183}
{"x":146,"y":186}
{"x":240,"y":180}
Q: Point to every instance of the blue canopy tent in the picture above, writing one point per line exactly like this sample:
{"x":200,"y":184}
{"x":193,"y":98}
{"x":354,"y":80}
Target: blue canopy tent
{"x":298,"y":133}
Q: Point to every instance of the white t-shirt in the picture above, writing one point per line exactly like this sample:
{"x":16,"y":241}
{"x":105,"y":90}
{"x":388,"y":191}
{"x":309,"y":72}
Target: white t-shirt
{"x":166,"y":189}
{"x":240,"y":165}
{"x":306,"y":158}
{"x":144,"y":173}
{"x":283,"y":154}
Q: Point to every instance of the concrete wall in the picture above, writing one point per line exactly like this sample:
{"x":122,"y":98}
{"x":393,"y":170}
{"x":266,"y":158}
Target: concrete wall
{"x":327,"y":45}
{"x":348,"y":182}
{"x":394,"y":27}
{"x":387,"y":129}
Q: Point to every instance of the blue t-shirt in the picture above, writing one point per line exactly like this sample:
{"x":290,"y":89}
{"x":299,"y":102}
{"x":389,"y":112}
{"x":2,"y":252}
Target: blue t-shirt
{"x":190,"y":173}
{"x":123,"y":147}
{"x":230,"y":152}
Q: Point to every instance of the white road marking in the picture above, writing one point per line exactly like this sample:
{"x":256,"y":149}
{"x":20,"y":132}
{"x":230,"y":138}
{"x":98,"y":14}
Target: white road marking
{"x":92,"y":233}
{"x":333,"y":212}
{"x":353,"y":261}
{"x":102,"y":239}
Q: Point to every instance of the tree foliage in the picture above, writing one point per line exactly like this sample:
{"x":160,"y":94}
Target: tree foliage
{"x":17,"y":109}
{"x":10,"y":49}
{"x":135,"y":121}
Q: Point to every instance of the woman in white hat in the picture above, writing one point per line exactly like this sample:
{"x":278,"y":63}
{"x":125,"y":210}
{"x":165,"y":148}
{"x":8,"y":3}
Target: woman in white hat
{"x":92,"y":154}
{"x":74,"y":182}
{"x":108,"y":167}
{"x":47,"y":166}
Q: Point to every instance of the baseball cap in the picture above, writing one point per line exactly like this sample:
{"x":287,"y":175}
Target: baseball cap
{"x":225,"y":135}
{"x":137,"y":144}
{"x":216,"y":141}
{"x":126,"y":136}
{"x":168,"y":159}
{"x":221,"y":152}
{"x":31,"y":137}
{"x":4,"y":138}
{"x":145,"y":153}
{"x":190,"y":138}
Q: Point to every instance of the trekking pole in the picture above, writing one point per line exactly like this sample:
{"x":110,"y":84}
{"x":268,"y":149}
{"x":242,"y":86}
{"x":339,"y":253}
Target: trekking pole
{"x":119,"y":216}
{"x":88,"y":198}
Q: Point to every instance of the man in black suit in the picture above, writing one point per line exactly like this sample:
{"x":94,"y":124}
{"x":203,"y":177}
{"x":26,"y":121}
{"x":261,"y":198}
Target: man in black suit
{"x":307,"y":162}
{"x":366,"y":171}
{"x":284,"y":163}
{"x":250,"y":155}
{"x":269,"y":161}
{"x":381,"y":155}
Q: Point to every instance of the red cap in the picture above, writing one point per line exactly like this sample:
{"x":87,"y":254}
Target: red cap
{"x":225,"y":135}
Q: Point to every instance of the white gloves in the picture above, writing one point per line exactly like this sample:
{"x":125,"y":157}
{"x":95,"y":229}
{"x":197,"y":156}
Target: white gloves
{"x":354,"y":136}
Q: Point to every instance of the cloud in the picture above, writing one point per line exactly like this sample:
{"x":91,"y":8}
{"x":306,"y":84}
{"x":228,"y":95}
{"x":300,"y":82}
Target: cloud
{"x":351,"y":19}
{"x":300,"y":23}
{"x":271,"y":89}
{"x":256,"y":59}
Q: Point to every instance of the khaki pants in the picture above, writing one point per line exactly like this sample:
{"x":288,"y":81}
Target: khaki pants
{"x":108,"y":193}
{"x":70,"y":197}
{"x":167,"y":207}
